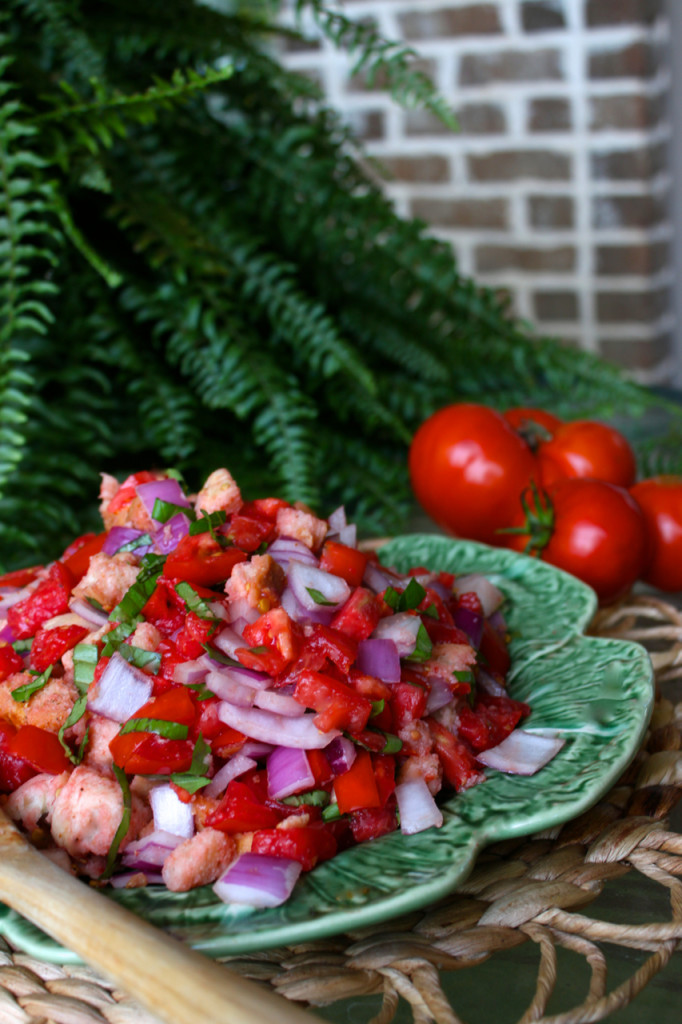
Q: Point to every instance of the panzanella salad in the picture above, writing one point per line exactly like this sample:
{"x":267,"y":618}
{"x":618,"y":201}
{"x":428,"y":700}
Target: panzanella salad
{"x":214,"y":691}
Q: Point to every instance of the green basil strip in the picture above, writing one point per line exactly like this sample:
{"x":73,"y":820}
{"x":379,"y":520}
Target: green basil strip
{"x":137,"y":656}
{"x":85,"y":658}
{"x":315,"y":798}
{"x":75,"y":715}
{"x":200,"y":690}
{"x":165,"y":510}
{"x":115,"y":637}
{"x":407,"y":600}
{"x":136,"y":597}
{"x":195,"y":779}
{"x":169,"y":730}
{"x":431,"y":611}
{"x":377,"y":707}
{"x":190,"y":783}
{"x":20,"y":646}
{"x":422,"y":651}
{"x":124,"y":824}
{"x":318,"y":597}
{"x":195,"y":603}
{"x":222,"y":659}
{"x":331,"y":812}
{"x":132,"y":545}
{"x":25,"y":692}
{"x":208,"y":522}
{"x":94,"y":602}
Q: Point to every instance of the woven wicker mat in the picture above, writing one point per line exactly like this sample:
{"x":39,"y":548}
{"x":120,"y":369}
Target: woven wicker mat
{"x":533,"y":890}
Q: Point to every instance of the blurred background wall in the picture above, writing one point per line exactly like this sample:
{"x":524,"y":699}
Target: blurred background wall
{"x":558,"y":185}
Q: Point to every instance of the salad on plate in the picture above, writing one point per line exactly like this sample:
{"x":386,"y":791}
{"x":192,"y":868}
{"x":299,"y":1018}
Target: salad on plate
{"x":214,"y":691}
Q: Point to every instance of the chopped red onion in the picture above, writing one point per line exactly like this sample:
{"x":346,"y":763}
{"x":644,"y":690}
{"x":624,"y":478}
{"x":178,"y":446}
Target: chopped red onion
{"x":337,"y":520}
{"x":280,"y":703}
{"x":171,"y":814}
{"x":121,"y":690}
{"x":439,"y":696}
{"x":521,"y":753}
{"x":167,"y":536}
{"x":379,"y":657}
{"x":190,"y":672}
{"x":490,"y":684}
{"x":227,"y":641}
{"x":151,"y":850}
{"x":402,"y":628}
{"x":295,"y":610}
{"x":377,"y":578}
{"x":418,"y":810}
{"x":349,"y":535}
{"x":219,"y":610}
{"x":471,"y":623}
{"x":228,"y":688}
{"x":12,"y":595}
{"x":232,"y":769}
{"x":86,"y":611}
{"x":340,"y":754}
{"x":120,"y":535}
{"x":243,"y":676}
{"x":6,"y":632}
{"x":490,"y":596}
{"x":240,"y":609}
{"x":333,"y":590}
{"x":286,"y":549}
{"x":258,"y":880}
{"x":498,"y":622}
{"x":165,"y":490}
{"x":276,"y":729}
{"x":289,"y":772}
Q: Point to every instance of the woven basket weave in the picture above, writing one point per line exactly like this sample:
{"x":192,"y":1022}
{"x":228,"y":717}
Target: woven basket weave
{"x":532,"y":890}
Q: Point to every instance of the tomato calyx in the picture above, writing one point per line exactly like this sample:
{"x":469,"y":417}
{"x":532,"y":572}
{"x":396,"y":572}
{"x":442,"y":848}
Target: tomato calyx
{"x":538,"y":523}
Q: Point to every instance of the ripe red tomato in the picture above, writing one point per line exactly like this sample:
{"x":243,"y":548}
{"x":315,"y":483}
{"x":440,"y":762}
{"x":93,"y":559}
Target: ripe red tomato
{"x":468,"y":468}
{"x":590,"y":528}
{"x":534,"y":425}
{"x":660,"y":499}
{"x":587,"y":448}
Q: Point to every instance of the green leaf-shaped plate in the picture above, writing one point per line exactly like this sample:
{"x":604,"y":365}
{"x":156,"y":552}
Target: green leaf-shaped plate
{"x":595,"y":692}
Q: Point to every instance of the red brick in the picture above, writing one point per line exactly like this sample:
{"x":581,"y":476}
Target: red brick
{"x":640,"y":260}
{"x":432,"y":169}
{"x":472,"y":19}
{"x":511,"y":66}
{"x":629,"y":211}
{"x":493,"y":258}
{"x":472,"y":118}
{"x":550,"y":212}
{"x":631,"y":306}
{"x":361,"y":82}
{"x":423,"y":122}
{"x":638,"y":60}
{"x":624,"y":113}
{"x":482,"y":214}
{"x":637,"y":353}
{"x":368,"y":125}
{"x":630,"y":164}
{"x":517,"y":164}
{"x":556,"y":305}
{"x":542,"y":15}
{"x":621,"y":12}
{"x":549,"y":115}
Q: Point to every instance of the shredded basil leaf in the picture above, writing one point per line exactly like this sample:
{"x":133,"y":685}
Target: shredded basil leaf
{"x":222,"y":659}
{"x":201,"y":691}
{"x":85,"y":658}
{"x":190,"y":783}
{"x":207,"y":523}
{"x":124,"y":824}
{"x":195,"y":603}
{"x":25,"y":692}
{"x":318,"y":597}
{"x":259,"y":650}
{"x":315,"y":798}
{"x":140,"y":658}
{"x":75,"y":715}
{"x":136,"y":597}
{"x":94,"y":602}
{"x":169,"y":730}
{"x":194,"y":778}
{"x":331,"y":812}
{"x":465,"y":676}
{"x":20,"y":646}
{"x":115,"y":637}
{"x":431,"y":611}
{"x":408,"y":599}
{"x":137,"y":542}
{"x":422,"y":651}
{"x":377,"y":707}
{"x":165,"y":510}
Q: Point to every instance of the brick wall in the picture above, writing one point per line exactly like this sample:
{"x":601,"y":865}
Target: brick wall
{"x":556,"y":186}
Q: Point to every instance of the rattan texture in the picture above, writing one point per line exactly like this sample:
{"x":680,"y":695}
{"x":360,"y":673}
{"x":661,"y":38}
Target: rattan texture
{"x":533,"y":890}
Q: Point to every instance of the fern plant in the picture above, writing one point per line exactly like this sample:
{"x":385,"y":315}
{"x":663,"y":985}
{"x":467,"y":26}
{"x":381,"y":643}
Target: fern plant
{"x":195,"y":269}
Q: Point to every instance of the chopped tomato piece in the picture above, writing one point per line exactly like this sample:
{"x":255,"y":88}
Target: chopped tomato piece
{"x":201,"y":559}
{"x":357,"y":788}
{"x":14,"y":770}
{"x":248,"y":530}
{"x":268,"y":507}
{"x":372,"y":822}
{"x":50,"y":598}
{"x":338,"y":706}
{"x":455,"y":755}
{"x":494,"y":651}
{"x":240,"y":810}
{"x":307,"y":844}
{"x":50,"y":645}
{"x":189,"y":642}
{"x":20,"y":577}
{"x":40,"y":748}
{"x":408,"y":703}
{"x":359,"y":615}
{"x":145,"y":753}
{"x":77,"y":556}
{"x":273,"y":642}
{"x":175,"y":705}
{"x":10,"y":661}
{"x":490,"y":720}
{"x":321,"y":769}
{"x":128,"y":490}
{"x":344,"y":561}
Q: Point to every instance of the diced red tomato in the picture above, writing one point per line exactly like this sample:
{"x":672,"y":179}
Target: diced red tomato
{"x":356,"y":789}
{"x":20,"y":577}
{"x":344,"y":561}
{"x":10,"y":661}
{"x":191,"y":638}
{"x":164,"y":608}
{"x":241,"y":811}
{"x":338,"y":706}
{"x":442,"y":633}
{"x":340,"y":649}
{"x":433,"y":600}
{"x":50,"y":645}
{"x":77,"y":556}
{"x":308,"y":844}
{"x":384,"y":775}
{"x":471,"y":601}
{"x":145,"y":753}
{"x":201,"y":559}
{"x":175,"y":705}
{"x":370,"y":686}
{"x":127,"y":491}
{"x":373,"y":822}
{"x":50,"y":598}
{"x":14,"y":771}
{"x":268,"y":507}
{"x":408,"y":703}
{"x":494,"y":651}
{"x":40,"y":748}
{"x":359,"y":615}
{"x":273,"y":642}
{"x":321,"y":769}
{"x":490,"y":721}
{"x":248,"y":528}
{"x":455,"y":755}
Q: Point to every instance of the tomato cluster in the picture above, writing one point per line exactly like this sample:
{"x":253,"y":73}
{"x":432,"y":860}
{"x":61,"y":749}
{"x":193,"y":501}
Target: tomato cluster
{"x":564,"y":491}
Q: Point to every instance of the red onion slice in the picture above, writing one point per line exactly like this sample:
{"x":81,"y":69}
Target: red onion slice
{"x":439,"y":696}
{"x":87,"y":612}
{"x":377,"y":578}
{"x":295,"y":610}
{"x":241,"y":611}
{"x":402,"y":629}
{"x":280,"y":703}
{"x":522,"y":753}
{"x":305,"y":581}
{"x":285,"y":550}
{"x":167,"y":536}
{"x":12,"y":595}
{"x":120,"y":535}
{"x":232,"y":769}
{"x":227,"y":641}
{"x":171,"y":814}
{"x":379,"y":657}
{"x":276,"y":729}
{"x":151,"y":850}
{"x":121,"y":690}
{"x":228,"y":688}
{"x":340,"y":754}
{"x":337,"y":520}
{"x":490,"y":596}
{"x":258,"y":880}
{"x":165,"y":490}
{"x":471,"y":623}
{"x":289,"y":772}
{"x":418,"y":810}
